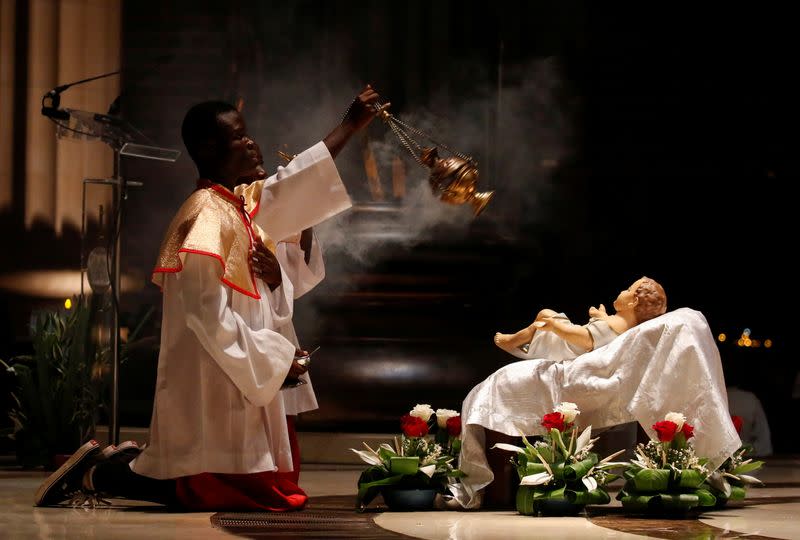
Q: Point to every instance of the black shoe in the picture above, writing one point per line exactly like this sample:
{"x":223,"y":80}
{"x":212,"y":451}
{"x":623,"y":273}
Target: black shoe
{"x":124,"y":452}
{"x":67,"y":480}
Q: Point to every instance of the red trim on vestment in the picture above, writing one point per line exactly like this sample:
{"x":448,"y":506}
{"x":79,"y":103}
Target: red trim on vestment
{"x":204,"y":183}
{"x":219,"y":258}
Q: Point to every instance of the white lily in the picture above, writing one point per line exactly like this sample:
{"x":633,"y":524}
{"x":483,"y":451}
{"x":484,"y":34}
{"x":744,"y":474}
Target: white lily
{"x":536,"y":479}
{"x":584,"y":439}
{"x":369,"y":457}
{"x":589,"y":482}
{"x":387,"y":447}
{"x":509,"y":447}
{"x":428,"y":470}
{"x":717,"y":481}
{"x":747,"y":479}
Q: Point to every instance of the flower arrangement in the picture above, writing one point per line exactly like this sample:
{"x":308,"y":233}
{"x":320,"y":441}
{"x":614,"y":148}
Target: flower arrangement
{"x":730,"y":482}
{"x":559,"y":474}
{"x":422,"y":458}
{"x":667,"y":477}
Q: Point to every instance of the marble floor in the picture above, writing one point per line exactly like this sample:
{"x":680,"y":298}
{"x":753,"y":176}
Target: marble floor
{"x":770,"y":512}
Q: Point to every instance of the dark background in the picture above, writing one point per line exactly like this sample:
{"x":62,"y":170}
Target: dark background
{"x":622,"y":140}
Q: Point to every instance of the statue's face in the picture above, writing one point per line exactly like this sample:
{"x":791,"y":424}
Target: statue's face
{"x":626,"y":299}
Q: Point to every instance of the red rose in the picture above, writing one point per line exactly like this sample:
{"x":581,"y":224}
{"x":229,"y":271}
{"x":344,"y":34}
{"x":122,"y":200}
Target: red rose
{"x":454,"y":426}
{"x":737,"y":423}
{"x":688,"y":431}
{"x":666,"y":430}
{"x":413,"y":426}
{"x":554,"y":420}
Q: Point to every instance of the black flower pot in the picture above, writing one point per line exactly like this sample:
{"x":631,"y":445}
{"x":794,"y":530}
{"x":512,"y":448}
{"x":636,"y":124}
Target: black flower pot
{"x":408,"y":500}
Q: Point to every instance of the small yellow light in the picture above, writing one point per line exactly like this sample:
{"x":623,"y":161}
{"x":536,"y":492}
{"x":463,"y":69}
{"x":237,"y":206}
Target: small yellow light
{"x":740,"y":342}
{"x":722,"y":337}
{"x":767,"y":343}
{"x":68,"y":303}
{"x":747,"y":342}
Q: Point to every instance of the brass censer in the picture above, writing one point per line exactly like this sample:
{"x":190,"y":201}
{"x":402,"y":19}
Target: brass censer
{"x":453,"y":179}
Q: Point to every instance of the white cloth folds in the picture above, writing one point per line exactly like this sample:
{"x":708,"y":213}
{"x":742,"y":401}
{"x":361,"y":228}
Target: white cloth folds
{"x":669,"y":363}
{"x":297,"y":202}
{"x":304,"y":277}
{"x":215,"y":408}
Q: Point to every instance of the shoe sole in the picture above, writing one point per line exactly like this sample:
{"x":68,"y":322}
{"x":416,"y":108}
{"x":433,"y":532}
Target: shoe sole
{"x":58,"y":476}
{"x":125,"y":452}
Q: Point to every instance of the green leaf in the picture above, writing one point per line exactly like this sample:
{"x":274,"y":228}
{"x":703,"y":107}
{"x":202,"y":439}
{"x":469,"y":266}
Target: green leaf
{"x":679,"y":441}
{"x":386,"y":454}
{"x":555,"y":435}
{"x":737,"y":493}
{"x":679,"y":501}
{"x":404,"y":465}
{"x":546,"y":452}
{"x":651,"y":480}
{"x":635,"y":502}
{"x":705,"y":497}
{"x":524,"y":500}
{"x":578,"y":470}
{"x":596,"y":496}
{"x":610,"y":478}
{"x":747,"y":467}
{"x":690,"y":478}
{"x":455,"y":446}
{"x":531,"y":468}
{"x":558,"y":470}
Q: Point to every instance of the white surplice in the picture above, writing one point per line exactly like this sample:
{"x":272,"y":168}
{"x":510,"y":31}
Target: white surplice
{"x":224,"y":355}
{"x":303,"y":277}
{"x":670,"y":363}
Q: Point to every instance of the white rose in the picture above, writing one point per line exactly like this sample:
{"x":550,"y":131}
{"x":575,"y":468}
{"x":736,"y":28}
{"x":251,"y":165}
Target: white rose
{"x":443,"y":414}
{"x":568,"y":410}
{"x":423,"y":411}
{"x":677,"y":418}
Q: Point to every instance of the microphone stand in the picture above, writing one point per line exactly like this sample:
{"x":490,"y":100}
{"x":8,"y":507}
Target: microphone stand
{"x":124,"y":140}
{"x":119,"y":187}
{"x":52,"y":110}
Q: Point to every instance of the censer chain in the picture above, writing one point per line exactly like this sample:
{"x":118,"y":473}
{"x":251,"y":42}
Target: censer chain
{"x":401,"y":129}
{"x":394,"y":120}
{"x":406,"y":141}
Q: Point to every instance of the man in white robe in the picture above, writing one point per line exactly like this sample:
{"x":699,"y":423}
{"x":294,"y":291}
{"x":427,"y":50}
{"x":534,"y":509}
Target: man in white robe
{"x":219,"y":428}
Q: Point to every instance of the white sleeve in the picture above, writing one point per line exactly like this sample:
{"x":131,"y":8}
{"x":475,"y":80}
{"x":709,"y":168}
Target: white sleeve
{"x":257,"y":361}
{"x":303,"y":277}
{"x":304,"y":193}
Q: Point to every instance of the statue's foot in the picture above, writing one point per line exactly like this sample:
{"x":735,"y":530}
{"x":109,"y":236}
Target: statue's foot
{"x":504,"y":341}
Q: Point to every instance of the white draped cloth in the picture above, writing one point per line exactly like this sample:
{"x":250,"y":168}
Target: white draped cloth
{"x":303,"y":277}
{"x":224,"y":355}
{"x":670,"y":363}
